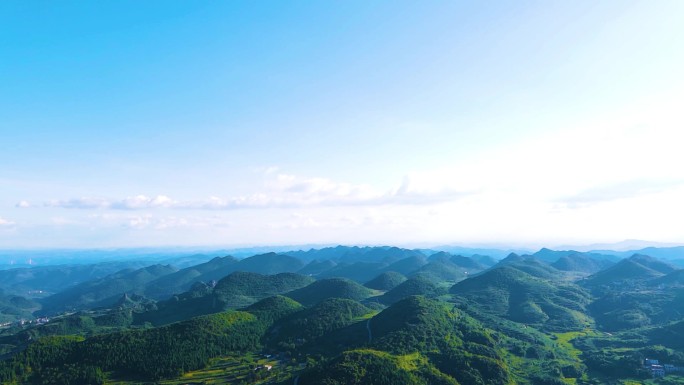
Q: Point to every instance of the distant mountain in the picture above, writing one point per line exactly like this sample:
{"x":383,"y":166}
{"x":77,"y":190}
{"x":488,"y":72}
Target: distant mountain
{"x":548,"y":255}
{"x":330,"y":288}
{"x":470,"y":251}
{"x":439,"y":256}
{"x":407,"y":265}
{"x":443,"y":270}
{"x":353,"y":254}
{"x":269,"y":263}
{"x":356,"y":271}
{"x":666,"y":253}
{"x":531,"y":265}
{"x":677,"y":262}
{"x":484,"y":259}
{"x":14,"y":307}
{"x":51,"y":279}
{"x":183,"y":279}
{"x":622,"y":246}
{"x":243,"y":288}
{"x":105,"y":291}
{"x":580,"y":262}
{"x":467,"y":263}
{"x":219,"y":267}
{"x":511,"y":258}
{"x":625,"y":309}
{"x":464,"y":263}
{"x":653,"y":263}
{"x":236,"y":290}
{"x":511,"y":293}
{"x":673,"y":279}
{"x":628,"y":271}
{"x":317,"y":267}
{"x":386,"y":281}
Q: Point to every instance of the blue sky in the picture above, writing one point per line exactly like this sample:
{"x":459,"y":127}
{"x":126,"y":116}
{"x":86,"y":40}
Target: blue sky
{"x":256,"y":123}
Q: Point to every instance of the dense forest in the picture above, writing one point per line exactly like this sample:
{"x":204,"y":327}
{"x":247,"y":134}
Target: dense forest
{"x":409,"y":317}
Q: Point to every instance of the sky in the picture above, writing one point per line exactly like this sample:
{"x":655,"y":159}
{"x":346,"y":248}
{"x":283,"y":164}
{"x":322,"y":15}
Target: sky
{"x":243,"y":123}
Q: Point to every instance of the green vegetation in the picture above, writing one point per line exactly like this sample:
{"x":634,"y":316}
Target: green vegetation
{"x":372,"y":367}
{"x":330,"y":288}
{"x":105,"y":291}
{"x":522,"y":322}
{"x":439,"y":270}
{"x":306,"y":326}
{"x":386,"y":281}
{"x":241,"y":289}
{"x":417,"y":285}
{"x":14,"y":307}
{"x":513,"y":294}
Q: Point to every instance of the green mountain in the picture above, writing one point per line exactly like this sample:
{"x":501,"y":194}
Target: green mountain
{"x":456,"y":344}
{"x":513,"y":294}
{"x":242,"y":288}
{"x":439,"y":270}
{"x":317,"y":267}
{"x":673,"y":279}
{"x":467,"y":263}
{"x":51,"y":279}
{"x":269,"y":263}
{"x":150,"y":354}
{"x":183,"y":279}
{"x":105,"y":291}
{"x":417,"y":285}
{"x":407,"y":265}
{"x":626,"y":273}
{"x":440,"y":255}
{"x":349,"y":255}
{"x":236,"y":290}
{"x":653,"y":263}
{"x":219,"y":267}
{"x":511,"y":258}
{"x":271,"y":309}
{"x":386,"y":281}
{"x":625,"y":308}
{"x":549,"y":256}
{"x":485,"y":260}
{"x":521,"y":322}
{"x":532,"y":266}
{"x":671,"y":335}
{"x":14,"y":307}
{"x":330,"y":288}
{"x":579,"y":262}
{"x":356,"y":271}
{"x":372,"y":367}
{"x":306,"y":326}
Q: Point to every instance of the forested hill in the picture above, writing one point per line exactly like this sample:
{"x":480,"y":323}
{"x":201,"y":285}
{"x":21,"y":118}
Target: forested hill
{"x":350,"y":316}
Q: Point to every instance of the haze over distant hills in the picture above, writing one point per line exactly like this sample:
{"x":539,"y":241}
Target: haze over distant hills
{"x":187,"y":256}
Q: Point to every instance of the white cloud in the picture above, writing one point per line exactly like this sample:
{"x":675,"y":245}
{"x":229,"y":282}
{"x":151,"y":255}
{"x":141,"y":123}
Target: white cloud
{"x":80,"y":203}
{"x":288,"y":191}
{"x":5,"y":222}
{"x":130,"y":203}
{"x":618,"y":191}
{"x":143,"y":202}
{"x":23,"y":204}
